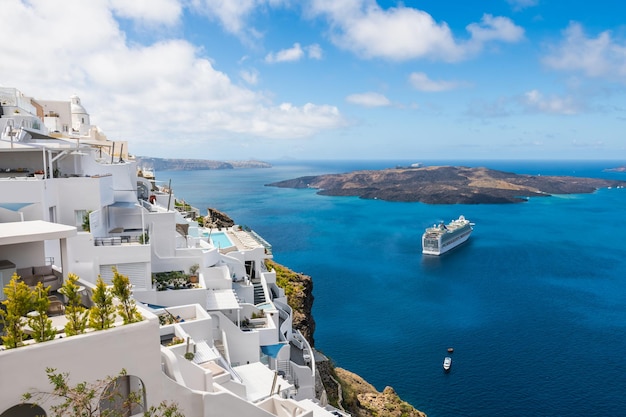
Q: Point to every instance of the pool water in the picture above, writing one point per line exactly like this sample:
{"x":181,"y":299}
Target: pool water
{"x":220,"y":240}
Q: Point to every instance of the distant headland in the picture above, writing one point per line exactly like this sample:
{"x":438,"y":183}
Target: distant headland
{"x":168,"y":164}
{"x":446,"y":185}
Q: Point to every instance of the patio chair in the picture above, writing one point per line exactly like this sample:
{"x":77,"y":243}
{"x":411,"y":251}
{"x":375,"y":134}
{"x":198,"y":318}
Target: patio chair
{"x":56,"y":308}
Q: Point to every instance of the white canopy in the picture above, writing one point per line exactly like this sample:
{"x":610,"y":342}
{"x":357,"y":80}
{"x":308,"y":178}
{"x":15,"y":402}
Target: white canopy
{"x":221,"y":300}
{"x":33,"y":231}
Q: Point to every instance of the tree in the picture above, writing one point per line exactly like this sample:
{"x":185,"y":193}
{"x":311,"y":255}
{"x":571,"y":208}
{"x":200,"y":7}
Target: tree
{"x":102,"y":313}
{"x":94,"y":399}
{"x":86,"y":223}
{"x":164,"y":409}
{"x":18,"y":302}
{"x":74,"y":311}
{"x":39,"y":321}
{"x":122,"y":289}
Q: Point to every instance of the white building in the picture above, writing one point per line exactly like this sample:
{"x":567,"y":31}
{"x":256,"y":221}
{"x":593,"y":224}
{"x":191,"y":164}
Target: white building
{"x":58,"y":177}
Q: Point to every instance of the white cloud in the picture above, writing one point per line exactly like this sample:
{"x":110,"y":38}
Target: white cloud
{"x":314,"y":51}
{"x":235,"y":15}
{"x":421,"y":82}
{"x":295,"y":53}
{"x":403,"y":33}
{"x":495,"y":28}
{"x":151,"y":95}
{"x":601,"y":56}
{"x":530,"y":102}
{"x":522,"y":4}
{"x":232,"y":14}
{"x":369,"y":99}
{"x":250,"y":76}
{"x":535,"y":101}
{"x":287,"y":121}
{"x":165,"y":12}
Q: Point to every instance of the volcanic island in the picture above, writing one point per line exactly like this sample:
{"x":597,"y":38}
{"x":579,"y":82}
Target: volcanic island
{"x":447,"y":185}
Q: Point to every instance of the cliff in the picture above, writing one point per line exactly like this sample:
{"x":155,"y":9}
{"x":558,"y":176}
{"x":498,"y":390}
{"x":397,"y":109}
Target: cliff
{"x":164,"y":164}
{"x":299,"y":291}
{"x":217,"y":219}
{"x":345,"y":390}
{"x":446,"y":185}
{"x":363,"y":400}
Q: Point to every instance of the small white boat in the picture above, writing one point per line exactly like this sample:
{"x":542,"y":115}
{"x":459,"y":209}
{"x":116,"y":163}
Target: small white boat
{"x":447,"y":363}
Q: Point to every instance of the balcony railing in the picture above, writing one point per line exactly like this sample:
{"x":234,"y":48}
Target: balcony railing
{"x":118,"y":240}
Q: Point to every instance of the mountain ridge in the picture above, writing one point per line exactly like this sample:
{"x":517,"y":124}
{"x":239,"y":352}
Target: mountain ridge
{"x":179,"y":164}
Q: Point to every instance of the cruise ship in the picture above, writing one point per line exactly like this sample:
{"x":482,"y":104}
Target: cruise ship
{"x":440,"y":238}
{"x":215,"y":334}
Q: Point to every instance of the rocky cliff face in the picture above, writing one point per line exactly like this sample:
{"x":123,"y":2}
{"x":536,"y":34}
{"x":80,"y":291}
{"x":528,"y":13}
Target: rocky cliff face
{"x":299,"y":291}
{"x":216,"y":219}
{"x":363,"y":400}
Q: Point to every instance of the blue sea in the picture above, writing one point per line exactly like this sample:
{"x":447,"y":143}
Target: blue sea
{"x":534,"y":304}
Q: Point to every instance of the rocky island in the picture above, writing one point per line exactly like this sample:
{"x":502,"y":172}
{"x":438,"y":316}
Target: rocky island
{"x":170,"y":164}
{"x":446,"y":185}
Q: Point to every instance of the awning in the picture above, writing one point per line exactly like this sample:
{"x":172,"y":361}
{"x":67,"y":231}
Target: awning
{"x":38,"y":135}
{"x":33,"y":231}
{"x":221,"y":300}
{"x":259,"y":381}
{"x":14,"y":206}
{"x":272,"y":350}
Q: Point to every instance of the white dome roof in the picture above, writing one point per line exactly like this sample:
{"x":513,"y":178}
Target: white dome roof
{"x":75,"y":106}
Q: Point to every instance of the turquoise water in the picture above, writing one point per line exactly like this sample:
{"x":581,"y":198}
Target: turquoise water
{"x":534,"y":303}
{"x":220,"y":240}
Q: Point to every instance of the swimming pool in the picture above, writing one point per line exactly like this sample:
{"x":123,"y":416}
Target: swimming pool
{"x":220,"y":240}
{"x":265,"y":306}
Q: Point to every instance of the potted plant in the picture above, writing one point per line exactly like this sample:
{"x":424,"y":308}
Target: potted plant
{"x":86,"y":223}
{"x":144,"y":238}
{"x":193,"y":273}
{"x":188,"y":354}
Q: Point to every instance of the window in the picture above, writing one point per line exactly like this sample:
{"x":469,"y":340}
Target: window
{"x":52,"y":214}
{"x":79,"y":218}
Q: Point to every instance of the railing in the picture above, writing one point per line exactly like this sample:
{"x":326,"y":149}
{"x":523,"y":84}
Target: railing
{"x":263,"y":242}
{"x":117,"y":240}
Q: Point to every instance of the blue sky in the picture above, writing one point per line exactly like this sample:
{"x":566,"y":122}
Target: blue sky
{"x":331,"y":79}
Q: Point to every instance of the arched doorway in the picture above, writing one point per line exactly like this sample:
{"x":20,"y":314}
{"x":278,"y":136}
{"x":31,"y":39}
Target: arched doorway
{"x":126,"y":394}
{"x":24,"y":410}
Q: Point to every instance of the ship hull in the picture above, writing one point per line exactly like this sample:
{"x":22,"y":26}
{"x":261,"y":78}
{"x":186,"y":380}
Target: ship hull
{"x":441,"y":239}
{"x":440,"y":251}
